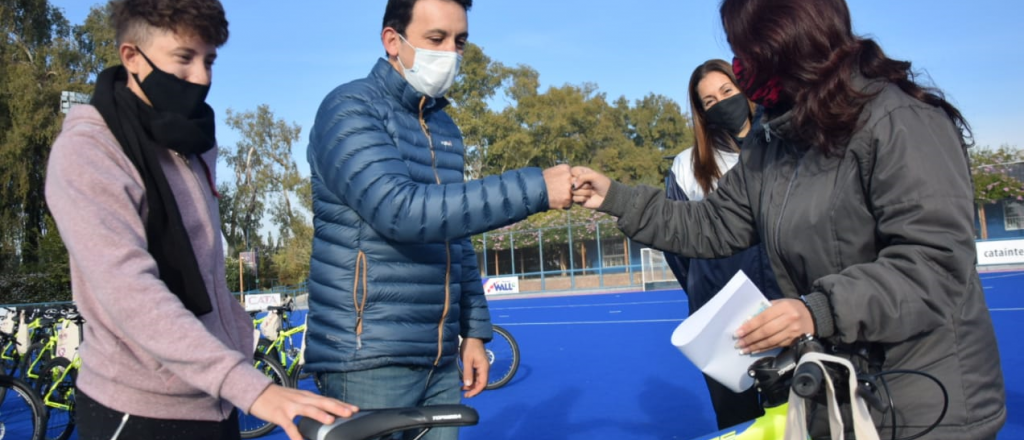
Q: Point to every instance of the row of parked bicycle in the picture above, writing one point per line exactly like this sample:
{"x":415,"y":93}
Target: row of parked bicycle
{"x":39,"y":363}
{"x":38,"y":366}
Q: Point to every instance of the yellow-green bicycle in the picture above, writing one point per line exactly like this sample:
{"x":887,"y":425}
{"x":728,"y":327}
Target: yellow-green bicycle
{"x":57,"y":377}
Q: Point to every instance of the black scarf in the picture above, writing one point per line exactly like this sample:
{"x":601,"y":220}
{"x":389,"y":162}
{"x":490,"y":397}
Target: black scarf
{"x":142,"y":133}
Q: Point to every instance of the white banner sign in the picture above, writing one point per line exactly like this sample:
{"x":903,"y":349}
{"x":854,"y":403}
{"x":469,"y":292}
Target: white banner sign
{"x":260,"y":301}
{"x":1000,"y":252}
{"x":501,"y":286}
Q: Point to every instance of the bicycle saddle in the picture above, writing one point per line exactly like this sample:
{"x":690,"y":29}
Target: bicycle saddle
{"x":373,"y":423}
{"x":279,"y":309}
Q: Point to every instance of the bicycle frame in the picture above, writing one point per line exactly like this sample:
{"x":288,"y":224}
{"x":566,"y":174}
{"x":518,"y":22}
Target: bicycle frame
{"x":51,"y":345}
{"x":283,"y":354}
{"x":9,"y":347}
{"x":76,"y":363}
{"x":770,"y":426}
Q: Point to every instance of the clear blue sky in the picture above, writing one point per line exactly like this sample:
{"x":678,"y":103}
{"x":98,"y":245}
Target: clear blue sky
{"x":289,"y":54}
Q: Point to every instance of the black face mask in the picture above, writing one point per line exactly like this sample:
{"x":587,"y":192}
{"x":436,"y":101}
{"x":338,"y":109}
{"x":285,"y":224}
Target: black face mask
{"x":729,"y":114}
{"x":171,"y":94}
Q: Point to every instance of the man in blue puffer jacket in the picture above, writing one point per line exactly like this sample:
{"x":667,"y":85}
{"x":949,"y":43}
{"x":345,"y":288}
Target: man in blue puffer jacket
{"x":394,"y":279}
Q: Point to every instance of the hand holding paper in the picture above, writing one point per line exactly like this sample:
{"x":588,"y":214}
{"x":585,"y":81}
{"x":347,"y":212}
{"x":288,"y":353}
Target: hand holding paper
{"x":706,"y":337}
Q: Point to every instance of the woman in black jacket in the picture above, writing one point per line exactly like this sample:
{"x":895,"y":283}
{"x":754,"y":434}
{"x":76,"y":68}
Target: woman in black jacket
{"x":722,"y":117}
{"x":860,"y":189}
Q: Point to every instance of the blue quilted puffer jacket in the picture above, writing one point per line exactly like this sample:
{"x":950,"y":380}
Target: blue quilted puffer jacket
{"x":394,"y":278}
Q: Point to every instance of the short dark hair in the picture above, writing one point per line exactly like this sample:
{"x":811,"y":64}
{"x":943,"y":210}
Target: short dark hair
{"x":398,"y":13}
{"x":132,"y":19}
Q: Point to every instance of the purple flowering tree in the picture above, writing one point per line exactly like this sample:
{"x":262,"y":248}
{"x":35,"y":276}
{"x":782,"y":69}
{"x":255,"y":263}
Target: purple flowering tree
{"x":993,"y":179}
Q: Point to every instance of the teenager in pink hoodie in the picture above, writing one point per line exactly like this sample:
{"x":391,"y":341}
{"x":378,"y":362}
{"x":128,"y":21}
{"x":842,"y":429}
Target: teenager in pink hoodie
{"x":167,"y":351}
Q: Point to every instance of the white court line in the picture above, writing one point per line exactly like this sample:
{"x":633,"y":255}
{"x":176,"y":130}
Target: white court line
{"x":647,"y":321}
{"x":1018,"y":274}
{"x":639,"y":321}
{"x":573,"y":306}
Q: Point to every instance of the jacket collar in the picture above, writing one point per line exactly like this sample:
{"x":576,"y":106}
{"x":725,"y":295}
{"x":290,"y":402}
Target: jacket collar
{"x":780,"y":125}
{"x":398,"y":88}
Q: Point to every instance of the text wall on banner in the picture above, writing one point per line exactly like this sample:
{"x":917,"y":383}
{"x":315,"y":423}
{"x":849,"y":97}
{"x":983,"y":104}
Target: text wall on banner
{"x":501,"y":285}
{"x":260,"y":301}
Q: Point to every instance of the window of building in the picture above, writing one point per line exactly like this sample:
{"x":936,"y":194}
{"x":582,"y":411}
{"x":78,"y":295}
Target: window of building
{"x":1013,"y":215}
{"x":614,"y":253}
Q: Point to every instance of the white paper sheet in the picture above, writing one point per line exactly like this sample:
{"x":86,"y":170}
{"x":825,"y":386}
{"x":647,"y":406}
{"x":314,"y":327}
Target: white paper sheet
{"x":706,"y":337}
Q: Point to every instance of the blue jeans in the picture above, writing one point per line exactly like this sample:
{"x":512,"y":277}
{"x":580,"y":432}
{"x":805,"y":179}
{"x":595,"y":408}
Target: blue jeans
{"x":396,"y":387}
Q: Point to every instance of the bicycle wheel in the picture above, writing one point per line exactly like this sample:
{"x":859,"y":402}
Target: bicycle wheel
{"x":60,"y":407}
{"x":249,"y":425}
{"x":503,"y":354}
{"x":21,"y":414}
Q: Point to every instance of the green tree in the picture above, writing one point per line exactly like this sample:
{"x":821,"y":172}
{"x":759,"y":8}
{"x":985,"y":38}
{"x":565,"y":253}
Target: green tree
{"x":95,"y":40}
{"x":571,"y":124}
{"x":478,"y":81}
{"x":41,"y":58}
{"x":267,"y":185}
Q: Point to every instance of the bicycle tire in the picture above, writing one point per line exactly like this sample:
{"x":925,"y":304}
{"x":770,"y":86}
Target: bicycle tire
{"x":15,"y":422}
{"x":513,"y":366}
{"x":249,"y":425}
{"x":60,"y":423}
{"x":503,"y":351}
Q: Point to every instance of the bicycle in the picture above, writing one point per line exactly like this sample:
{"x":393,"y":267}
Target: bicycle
{"x":59,"y":375}
{"x":42,"y":348}
{"x":789,"y":374}
{"x":277,"y":341}
{"x":372,"y":424}
{"x":9,"y":355}
{"x":249,"y":425}
{"x":21,"y":412}
{"x":503,"y":356}
{"x":265,"y":359}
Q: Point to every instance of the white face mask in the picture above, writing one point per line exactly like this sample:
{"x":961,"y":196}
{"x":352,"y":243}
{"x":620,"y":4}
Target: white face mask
{"x":433,"y":72}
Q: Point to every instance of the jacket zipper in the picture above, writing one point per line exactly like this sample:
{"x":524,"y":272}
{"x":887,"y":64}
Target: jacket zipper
{"x":199,"y":185}
{"x":360,"y":306}
{"x":785,"y":202}
{"x":447,"y":244}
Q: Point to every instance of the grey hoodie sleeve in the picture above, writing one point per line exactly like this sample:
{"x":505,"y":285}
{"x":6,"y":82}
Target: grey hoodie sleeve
{"x":715,"y":227}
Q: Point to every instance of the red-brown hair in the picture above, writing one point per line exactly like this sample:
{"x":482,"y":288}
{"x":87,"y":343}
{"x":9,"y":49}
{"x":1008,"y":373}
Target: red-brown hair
{"x":810,"y":48}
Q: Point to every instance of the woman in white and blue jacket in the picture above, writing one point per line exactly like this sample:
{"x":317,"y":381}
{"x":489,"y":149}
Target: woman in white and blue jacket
{"x":722,"y":117}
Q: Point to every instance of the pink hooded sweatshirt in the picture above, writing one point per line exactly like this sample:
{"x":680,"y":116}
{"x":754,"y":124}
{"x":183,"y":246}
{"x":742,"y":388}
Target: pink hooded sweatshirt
{"x":143,"y":353}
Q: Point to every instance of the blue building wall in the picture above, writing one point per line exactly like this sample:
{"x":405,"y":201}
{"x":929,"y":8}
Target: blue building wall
{"x":995,"y":221}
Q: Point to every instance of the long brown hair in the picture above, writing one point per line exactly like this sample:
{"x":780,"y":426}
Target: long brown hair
{"x":810,"y":48}
{"x":703,"y":157}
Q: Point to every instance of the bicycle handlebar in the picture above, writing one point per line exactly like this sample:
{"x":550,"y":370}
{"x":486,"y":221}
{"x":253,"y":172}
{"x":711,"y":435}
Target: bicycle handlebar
{"x":807,"y":379}
{"x":373,"y":423}
{"x":774,"y":376}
